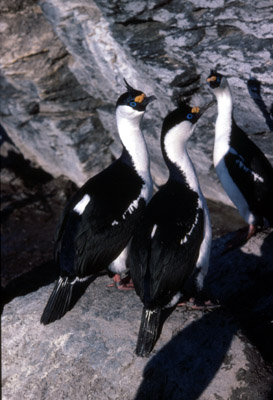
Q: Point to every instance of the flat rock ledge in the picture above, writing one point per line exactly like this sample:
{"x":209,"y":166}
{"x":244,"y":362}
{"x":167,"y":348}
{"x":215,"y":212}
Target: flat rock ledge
{"x":222,"y":354}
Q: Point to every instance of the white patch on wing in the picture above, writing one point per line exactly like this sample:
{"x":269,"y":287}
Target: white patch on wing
{"x":81,"y":205}
{"x":153,"y":231}
{"x":115,"y":222}
{"x":185,"y":238}
{"x":240,"y":163}
{"x":132,"y":207}
{"x":77,"y":279}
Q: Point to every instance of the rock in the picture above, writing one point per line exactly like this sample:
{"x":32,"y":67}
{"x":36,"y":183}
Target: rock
{"x":222,"y":354}
{"x":45,"y":111}
{"x":63,"y":64}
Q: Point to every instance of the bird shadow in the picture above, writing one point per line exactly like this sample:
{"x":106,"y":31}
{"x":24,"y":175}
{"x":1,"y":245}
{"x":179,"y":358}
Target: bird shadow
{"x":39,"y":276}
{"x":243,"y":283}
{"x":26,"y":283}
{"x":185,"y":366}
{"x":254,"y":89}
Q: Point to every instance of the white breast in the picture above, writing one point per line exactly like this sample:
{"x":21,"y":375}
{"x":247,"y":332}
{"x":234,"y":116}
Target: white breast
{"x":222,"y":147}
{"x":233,"y":192}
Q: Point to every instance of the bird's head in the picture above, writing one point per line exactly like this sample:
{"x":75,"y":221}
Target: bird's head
{"x":133,"y":102}
{"x":216,"y":80}
{"x":184,"y":117}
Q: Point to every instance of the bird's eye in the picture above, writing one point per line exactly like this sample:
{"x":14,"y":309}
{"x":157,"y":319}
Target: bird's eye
{"x":218,"y":79}
{"x":189,"y":116}
{"x":132,"y":103}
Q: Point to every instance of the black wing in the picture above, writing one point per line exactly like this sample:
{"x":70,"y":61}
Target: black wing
{"x":88,"y":243}
{"x":252,"y":172}
{"x":165,"y":248}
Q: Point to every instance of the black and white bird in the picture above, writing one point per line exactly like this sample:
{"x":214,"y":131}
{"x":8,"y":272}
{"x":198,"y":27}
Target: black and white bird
{"x":99,"y":220}
{"x":244,"y":171}
{"x":173,"y":241}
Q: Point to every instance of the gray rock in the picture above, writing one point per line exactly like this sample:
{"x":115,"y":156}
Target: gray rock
{"x":62,"y":67}
{"x":89,"y":354}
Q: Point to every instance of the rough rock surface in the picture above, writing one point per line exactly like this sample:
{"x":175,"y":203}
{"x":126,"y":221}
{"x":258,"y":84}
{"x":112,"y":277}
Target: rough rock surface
{"x":89,"y":354}
{"x":62,"y":65}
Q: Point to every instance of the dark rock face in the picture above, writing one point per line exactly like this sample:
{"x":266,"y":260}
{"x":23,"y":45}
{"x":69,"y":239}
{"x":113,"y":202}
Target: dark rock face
{"x":89,"y":353}
{"x":62,"y":67}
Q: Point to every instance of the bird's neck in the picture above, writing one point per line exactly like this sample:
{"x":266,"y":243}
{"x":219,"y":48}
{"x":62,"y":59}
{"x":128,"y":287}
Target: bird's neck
{"x":178,"y":160}
{"x":224,"y":106}
{"x":223,"y":126}
{"x":135,"y":150}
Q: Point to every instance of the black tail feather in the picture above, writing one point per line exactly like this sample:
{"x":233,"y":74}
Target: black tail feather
{"x":148,"y":331}
{"x":59,"y":301}
{"x":66,"y":293}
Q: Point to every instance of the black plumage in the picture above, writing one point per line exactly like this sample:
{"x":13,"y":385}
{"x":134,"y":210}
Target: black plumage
{"x":166,"y":245}
{"x":99,"y":220}
{"x":161,"y":262}
{"x":252,"y":173}
{"x":80,"y":238}
{"x":243,"y":169}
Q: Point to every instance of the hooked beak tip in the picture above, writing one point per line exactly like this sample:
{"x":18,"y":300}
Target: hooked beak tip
{"x":206,"y":107}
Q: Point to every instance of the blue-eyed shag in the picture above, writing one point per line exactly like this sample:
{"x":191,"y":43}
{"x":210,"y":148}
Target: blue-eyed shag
{"x":98,"y":222}
{"x":173,"y":241}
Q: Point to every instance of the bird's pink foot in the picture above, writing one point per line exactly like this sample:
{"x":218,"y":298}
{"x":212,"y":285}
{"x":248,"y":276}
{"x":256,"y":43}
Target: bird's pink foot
{"x":122,"y":284}
{"x":252,"y":229}
{"x":195,"y":304}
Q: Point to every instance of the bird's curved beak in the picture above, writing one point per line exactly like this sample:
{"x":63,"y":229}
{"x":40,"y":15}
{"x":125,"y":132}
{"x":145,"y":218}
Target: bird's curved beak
{"x":205,"y":108}
{"x":148,"y":100}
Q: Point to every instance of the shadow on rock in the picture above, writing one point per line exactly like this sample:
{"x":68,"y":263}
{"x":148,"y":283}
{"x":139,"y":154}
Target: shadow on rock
{"x":254,"y":89}
{"x":31,"y":281}
{"x":39,"y":276}
{"x":243,"y":283}
{"x":186,"y":365}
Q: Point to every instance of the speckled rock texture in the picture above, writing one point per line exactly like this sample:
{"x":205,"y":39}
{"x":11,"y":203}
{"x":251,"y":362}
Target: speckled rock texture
{"x":222,"y":354}
{"x":62,"y":65}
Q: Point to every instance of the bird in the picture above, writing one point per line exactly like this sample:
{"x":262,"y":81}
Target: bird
{"x":245,"y":173}
{"x":98,"y":221}
{"x":173,"y":240}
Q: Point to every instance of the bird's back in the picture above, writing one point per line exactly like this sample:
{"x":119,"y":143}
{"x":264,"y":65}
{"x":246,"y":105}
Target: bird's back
{"x":165,"y":248}
{"x":88,"y":242}
{"x":252,"y":172}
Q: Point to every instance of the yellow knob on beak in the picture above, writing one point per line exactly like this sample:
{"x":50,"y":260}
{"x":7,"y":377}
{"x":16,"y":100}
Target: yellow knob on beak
{"x":195,"y":110}
{"x":140,"y":98}
{"x":212,"y":79}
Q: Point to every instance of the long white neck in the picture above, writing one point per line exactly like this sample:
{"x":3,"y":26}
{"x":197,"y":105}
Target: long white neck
{"x":223,"y":123}
{"x":131,"y":136}
{"x":176,"y":150}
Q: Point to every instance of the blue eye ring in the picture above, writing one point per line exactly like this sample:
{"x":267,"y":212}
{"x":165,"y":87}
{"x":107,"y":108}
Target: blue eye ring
{"x":189,"y":116}
{"x":218,"y":79}
{"x":132,"y":103}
